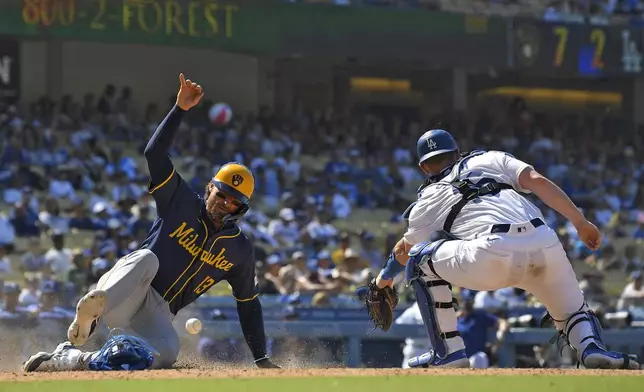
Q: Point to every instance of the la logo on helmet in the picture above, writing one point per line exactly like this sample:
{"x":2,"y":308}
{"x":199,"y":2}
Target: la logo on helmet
{"x":431,"y":144}
{"x":237,"y":180}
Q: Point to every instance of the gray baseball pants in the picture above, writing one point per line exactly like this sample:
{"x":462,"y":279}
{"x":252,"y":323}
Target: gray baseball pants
{"x":137,"y":308}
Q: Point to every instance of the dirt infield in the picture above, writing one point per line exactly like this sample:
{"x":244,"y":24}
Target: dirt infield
{"x":254,"y":373}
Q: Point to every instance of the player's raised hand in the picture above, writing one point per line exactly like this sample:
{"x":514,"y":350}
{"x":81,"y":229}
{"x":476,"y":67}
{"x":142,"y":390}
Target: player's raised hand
{"x":190,"y":93}
{"x":590,"y":235}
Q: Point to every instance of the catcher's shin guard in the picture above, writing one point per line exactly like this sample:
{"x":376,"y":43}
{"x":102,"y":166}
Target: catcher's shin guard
{"x":434,"y":297}
{"x":436,"y":307}
{"x":583,"y":332}
{"x":123,"y":352}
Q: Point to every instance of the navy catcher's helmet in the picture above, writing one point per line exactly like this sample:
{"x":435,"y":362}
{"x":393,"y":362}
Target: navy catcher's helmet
{"x":434,"y":142}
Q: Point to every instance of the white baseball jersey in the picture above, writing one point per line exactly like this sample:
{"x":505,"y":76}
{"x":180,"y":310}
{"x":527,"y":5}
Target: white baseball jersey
{"x":477,"y":216}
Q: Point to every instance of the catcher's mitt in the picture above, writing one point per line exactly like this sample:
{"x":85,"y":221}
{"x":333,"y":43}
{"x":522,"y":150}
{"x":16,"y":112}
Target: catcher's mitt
{"x":380,"y":304}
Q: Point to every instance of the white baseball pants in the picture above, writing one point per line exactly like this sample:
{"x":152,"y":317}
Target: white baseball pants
{"x":525,"y":257}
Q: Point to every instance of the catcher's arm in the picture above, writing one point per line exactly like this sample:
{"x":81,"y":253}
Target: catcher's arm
{"x":395,"y":264}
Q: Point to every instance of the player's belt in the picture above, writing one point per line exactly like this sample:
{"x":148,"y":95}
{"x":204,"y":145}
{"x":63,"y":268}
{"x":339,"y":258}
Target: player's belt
{"x":505,"y":227}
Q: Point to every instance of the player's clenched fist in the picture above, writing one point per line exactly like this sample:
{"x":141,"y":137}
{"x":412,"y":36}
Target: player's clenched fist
{"x":190,"y":93}
{"x":590,"y":235}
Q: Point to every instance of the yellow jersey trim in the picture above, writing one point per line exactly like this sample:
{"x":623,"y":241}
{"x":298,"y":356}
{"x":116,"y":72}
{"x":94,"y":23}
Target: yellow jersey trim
{"x":151,"y":191}
{"x":247,"y":299}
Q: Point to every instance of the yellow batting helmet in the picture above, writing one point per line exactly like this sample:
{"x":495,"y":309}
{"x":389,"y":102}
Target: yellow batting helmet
{"x":236,"y":180}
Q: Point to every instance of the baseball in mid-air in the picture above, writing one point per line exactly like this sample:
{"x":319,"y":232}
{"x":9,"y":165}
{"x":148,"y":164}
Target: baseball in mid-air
{"x":193,"y":326}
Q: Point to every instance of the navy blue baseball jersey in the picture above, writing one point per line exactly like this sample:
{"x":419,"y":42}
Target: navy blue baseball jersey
{"x":193,"y":254}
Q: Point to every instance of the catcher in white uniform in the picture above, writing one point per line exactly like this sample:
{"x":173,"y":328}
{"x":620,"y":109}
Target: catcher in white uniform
{"x":471,"y":227}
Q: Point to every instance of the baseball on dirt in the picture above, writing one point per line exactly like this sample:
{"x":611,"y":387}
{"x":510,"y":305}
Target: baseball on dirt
{"x":193,"y":326}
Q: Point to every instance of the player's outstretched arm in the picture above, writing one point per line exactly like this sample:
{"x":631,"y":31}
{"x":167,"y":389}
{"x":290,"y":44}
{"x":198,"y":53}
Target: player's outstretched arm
{"x":557,"y":199}
{"x":550,"y":194}
{"x":158,"y":147}
{"x":249,"y":309}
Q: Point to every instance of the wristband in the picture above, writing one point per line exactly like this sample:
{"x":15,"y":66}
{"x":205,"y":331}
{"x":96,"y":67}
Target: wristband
{"x":392,"y":268}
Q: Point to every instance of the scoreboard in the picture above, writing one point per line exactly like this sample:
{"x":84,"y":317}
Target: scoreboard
{"x":575,"y":49}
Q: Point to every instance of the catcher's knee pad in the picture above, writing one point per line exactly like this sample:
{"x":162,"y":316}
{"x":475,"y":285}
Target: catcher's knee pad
{"x":436,"y":306}
{"x":123,"y":352}
{"x":419,"y":255}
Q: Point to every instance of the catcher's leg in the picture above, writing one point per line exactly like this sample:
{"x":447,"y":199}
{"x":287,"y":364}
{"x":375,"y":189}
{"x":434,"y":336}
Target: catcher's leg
{"x":436,"y":305}
{"x":118,"y":296}
{"x":556,"y":286}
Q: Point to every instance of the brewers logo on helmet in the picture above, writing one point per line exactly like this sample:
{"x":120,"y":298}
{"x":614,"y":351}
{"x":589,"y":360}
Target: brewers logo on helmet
{"x":235,"y":180}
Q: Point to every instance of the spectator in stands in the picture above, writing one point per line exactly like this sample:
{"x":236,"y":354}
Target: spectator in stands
{"x":488,"y":300}
{"x":5,"y":266}
{"x":271,"y":282}
{"x":296,"y":276}
{"x":370,"y":253}
{"x":351,"y":273}
{"x":99,"y":266}
{"x":475,"y":326}
{"x":512,"y":297}
{"x":30,"y":294}
{"x":11,"y":308}
{"x":592,"y":285}
{"x":605,"y":260}
{"x":323,"y":269}
{"x":13,"y":192}
{"x":285,"y":229}
{"x":633,"y":293}
{"x":48,"y":307}
{"x":59,"y":258}
{"x":60,"y":188}
{"x":7,"y":233}
{"x":34,"y":257}
{"x":106,"y":101}
{"x":338,"y":255}
{"x":413,"y":346}
{"x":51,"y":218}
{"x":335,"y":203}
{"x":24,"y":220}
{"x":99,"y":200}
{"x":268,"y":179}
{"x":321,"y":229}
{"x":80,"y":218}
{"x":79,"y":274}
{"x":124,"y":189}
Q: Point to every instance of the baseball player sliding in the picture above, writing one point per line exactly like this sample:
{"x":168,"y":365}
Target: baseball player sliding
{"x":193,"y":244}
{"x":471,"y":227}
